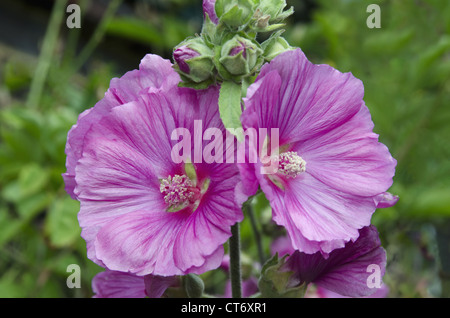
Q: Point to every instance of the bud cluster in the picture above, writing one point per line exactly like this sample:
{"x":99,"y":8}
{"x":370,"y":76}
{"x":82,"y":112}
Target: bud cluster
{"x":227,"y":49}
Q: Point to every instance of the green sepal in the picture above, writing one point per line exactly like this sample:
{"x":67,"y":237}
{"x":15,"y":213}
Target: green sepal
{"x":272,"y":27}
{"x":274,"y":9}
{"x":238,"y":65}
{"x":234,"y":13}
{"x":186,"y":82}
{"x":208,"y":32}
{"x":275,"y":45}
{"x":275,"y":282}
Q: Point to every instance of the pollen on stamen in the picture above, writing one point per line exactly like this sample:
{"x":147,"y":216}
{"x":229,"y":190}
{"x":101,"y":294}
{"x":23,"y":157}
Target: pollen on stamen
{"x":178,"y":190}
{"x":291,"y":164}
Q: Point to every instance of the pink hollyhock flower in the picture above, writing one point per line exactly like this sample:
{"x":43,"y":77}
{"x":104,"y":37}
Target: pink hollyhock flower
{"x":347,"y":271}
{"x":112,"y":284}
{"x":332,"y":171}
{"x":141,"y":212}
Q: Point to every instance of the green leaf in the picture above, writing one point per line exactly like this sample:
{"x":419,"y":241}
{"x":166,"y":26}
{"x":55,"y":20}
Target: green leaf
{"x":61,"y":224}
{"x":9,"y":287}
{"x":230,"y":106}
{"x":432,"y":203}
{"x":135,"y":29}
{"x":219,"y":7}
{"x":433,"y":53}
{"x":9,"y":227}
{"x":33,"y":205}
{"x":32,"y":179}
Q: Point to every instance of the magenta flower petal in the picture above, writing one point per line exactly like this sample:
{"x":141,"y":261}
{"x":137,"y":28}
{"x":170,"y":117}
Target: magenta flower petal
{"x":211,"y":223}
{"x":350,"y":158}
{"x":386,"y":200}
{"x":113,"y":284}
{"x":135,"y":242}
{"x":282,"y":245}
{"x":321,"y":292}
{"x":154,"y":72}
{"x":310,"y":99}
{"x":209,"y":9}
{"x":155,"y":286}
{"x":338,"y":169}
{"x":331,"y":214}
{"x":249,"y":183}
{"x":112,"y":179}
{"x":347,"y":270}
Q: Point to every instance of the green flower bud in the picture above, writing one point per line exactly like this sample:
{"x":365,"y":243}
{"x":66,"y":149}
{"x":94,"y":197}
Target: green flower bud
{"x":239,"y":56}
{"x":194,"y":60}
{"x":276,"y":46}
{"x":274,"y":9}
{"x":234,"y":13}
{"x":269,"y":15}
{"x":193,"y":286}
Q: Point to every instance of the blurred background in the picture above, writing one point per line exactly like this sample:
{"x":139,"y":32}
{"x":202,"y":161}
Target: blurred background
{"x":50,"y":73}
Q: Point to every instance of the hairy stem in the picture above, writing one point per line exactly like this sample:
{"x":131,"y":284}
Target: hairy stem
{"x":235,"y":262}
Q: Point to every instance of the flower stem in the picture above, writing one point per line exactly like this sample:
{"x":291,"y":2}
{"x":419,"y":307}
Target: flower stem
{"x":97,"y":36}
{"x":235,"y":262}
{"x":46,"y":55}
{"x":256,"y":232}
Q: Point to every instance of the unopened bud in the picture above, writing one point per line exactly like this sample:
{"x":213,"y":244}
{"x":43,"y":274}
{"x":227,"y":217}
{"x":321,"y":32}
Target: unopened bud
{"x":194,"y":59}
{"x":274,"y":9}
{"x":193,"y":286}
{"x":182,"y":54}
{"x":239,"y":55}
{"x":234,"y":13}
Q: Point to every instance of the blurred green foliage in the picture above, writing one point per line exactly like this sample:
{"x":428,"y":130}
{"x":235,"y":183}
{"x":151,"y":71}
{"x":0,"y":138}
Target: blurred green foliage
{"x":405,"y":67}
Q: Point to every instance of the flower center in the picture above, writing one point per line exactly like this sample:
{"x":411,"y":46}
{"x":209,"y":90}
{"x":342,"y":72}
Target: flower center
{"x":290,"y":164}
{"x":179,"y":192}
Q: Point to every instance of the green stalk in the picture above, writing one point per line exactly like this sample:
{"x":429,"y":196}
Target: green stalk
{"x":45,"y":58}
{"x":99,"y":32}
{"x":73,"y":37}
{"x":235,"y":262}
